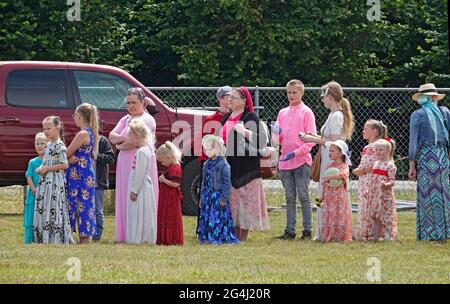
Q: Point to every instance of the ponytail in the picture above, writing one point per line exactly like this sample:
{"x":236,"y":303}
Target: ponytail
{"x":94,"y":125}
{"x":392,"y":143}
{"x":90,"y":115}
{"x":349,"y":124}
{"x":334,"y":89}
{"x":61,"y":130}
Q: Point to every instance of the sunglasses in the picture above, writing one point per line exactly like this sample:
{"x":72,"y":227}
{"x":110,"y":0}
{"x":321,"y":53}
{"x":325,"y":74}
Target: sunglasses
{"x":323,"y":94}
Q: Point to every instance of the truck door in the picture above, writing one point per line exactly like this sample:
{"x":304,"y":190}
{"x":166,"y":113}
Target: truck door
{"x":31,"y":95}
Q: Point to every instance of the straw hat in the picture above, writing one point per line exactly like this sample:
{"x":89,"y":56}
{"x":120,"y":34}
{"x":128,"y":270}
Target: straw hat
{"x":427,"y":89}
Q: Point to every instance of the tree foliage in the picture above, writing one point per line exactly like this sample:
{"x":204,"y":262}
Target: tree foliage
{"x":252,"y":42}
{"x":40,"y":30}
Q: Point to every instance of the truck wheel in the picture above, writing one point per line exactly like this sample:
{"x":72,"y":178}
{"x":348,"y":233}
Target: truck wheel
{"x":190,"y":187}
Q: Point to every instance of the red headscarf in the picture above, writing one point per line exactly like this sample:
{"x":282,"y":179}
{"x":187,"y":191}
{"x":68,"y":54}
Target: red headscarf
{"x":248,"y":98}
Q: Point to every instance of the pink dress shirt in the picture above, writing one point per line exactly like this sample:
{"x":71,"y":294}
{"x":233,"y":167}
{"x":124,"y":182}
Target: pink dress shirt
{"x":292,"y":120}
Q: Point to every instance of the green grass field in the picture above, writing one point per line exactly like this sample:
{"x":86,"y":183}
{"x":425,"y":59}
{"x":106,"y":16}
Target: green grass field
{"x":260,"y":260}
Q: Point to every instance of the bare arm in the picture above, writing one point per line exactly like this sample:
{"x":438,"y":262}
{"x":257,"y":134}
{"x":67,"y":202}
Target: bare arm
{"x":412,"y":174}
{"x":116,"y":139}
{"x":30,"y":184}
{"x":389,"y":184}
{"x":82,"y":138}
{"x":126,"y":145}
{"x":42,"y":170}
{"x":362,"y":170}
{"x":57,"y":167}
{"x":318,"y":139}
{"x":163,"y":179}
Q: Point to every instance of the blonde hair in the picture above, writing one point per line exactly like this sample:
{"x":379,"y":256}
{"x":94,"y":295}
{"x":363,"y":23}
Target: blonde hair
{"x":215,"y":142}
{"x":389,"y":145}
{"x":297,"y":84}
{"x":334,"y":89}
{"x":138,"y":127}
{"x":40,"y":135}
{"x":55,"y":120}
{"x":380,"y":126}
{"x":168,"y":148}
{"x":90,"y":115}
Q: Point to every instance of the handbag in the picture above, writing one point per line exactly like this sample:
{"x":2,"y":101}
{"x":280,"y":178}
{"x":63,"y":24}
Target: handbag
{"x":315,"y":167}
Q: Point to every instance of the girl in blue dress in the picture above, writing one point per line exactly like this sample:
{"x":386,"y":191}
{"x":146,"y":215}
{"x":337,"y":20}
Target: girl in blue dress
{"x":215,"y":225}
{"x":40,"y":143}
{"x":80,"y":175}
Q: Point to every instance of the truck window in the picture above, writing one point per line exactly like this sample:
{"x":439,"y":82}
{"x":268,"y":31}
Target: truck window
{"x":37,"y":88}
{"x":106,"y":91}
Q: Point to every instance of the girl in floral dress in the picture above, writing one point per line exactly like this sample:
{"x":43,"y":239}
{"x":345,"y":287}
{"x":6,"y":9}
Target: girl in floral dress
{"x":337,"y":222}
{"x":381,"y":202}
{"x":51,"y":217}
{"x":373,"y":131}
{"x":215,"y":225}
{"x":80,"y":175}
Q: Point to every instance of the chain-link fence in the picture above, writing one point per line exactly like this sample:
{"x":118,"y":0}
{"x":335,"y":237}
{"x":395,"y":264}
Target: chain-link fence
{"x":391,"y":105}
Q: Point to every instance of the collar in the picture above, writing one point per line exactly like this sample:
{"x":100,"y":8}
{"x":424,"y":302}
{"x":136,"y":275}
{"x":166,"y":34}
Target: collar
{"x":300,"y":105}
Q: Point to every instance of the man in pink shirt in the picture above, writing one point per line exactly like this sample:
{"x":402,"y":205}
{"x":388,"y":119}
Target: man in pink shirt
{"x":295,"y":161}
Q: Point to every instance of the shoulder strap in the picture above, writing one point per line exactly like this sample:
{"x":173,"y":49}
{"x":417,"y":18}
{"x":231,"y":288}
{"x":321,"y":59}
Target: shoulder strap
{"x":245,"y":115}
{"x":225,"y":118}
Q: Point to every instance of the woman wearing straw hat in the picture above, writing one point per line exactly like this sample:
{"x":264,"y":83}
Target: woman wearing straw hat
{"x":429,"y":164}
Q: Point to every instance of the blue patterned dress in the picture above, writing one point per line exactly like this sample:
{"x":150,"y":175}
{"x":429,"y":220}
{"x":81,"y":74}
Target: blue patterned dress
{"x":433,"y":194}
{"x":215,"y":224}
{"x":81,"y":190}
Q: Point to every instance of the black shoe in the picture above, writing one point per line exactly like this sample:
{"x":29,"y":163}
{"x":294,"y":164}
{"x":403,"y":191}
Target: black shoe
{"x":306,"y":235}
{"x":286,"y":236}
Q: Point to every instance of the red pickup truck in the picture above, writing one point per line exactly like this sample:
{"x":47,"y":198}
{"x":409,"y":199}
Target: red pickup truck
{"x":32,"y":90}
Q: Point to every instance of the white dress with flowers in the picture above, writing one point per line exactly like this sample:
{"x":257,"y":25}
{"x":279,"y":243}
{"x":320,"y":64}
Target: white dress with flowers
{"x":51,"y":216}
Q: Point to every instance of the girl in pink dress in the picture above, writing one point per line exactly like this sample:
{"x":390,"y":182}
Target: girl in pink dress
{"x":337,"y":222}
{"x":381,"y":202}
{"x":373,"y":131}
{"x":136,"y":104}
